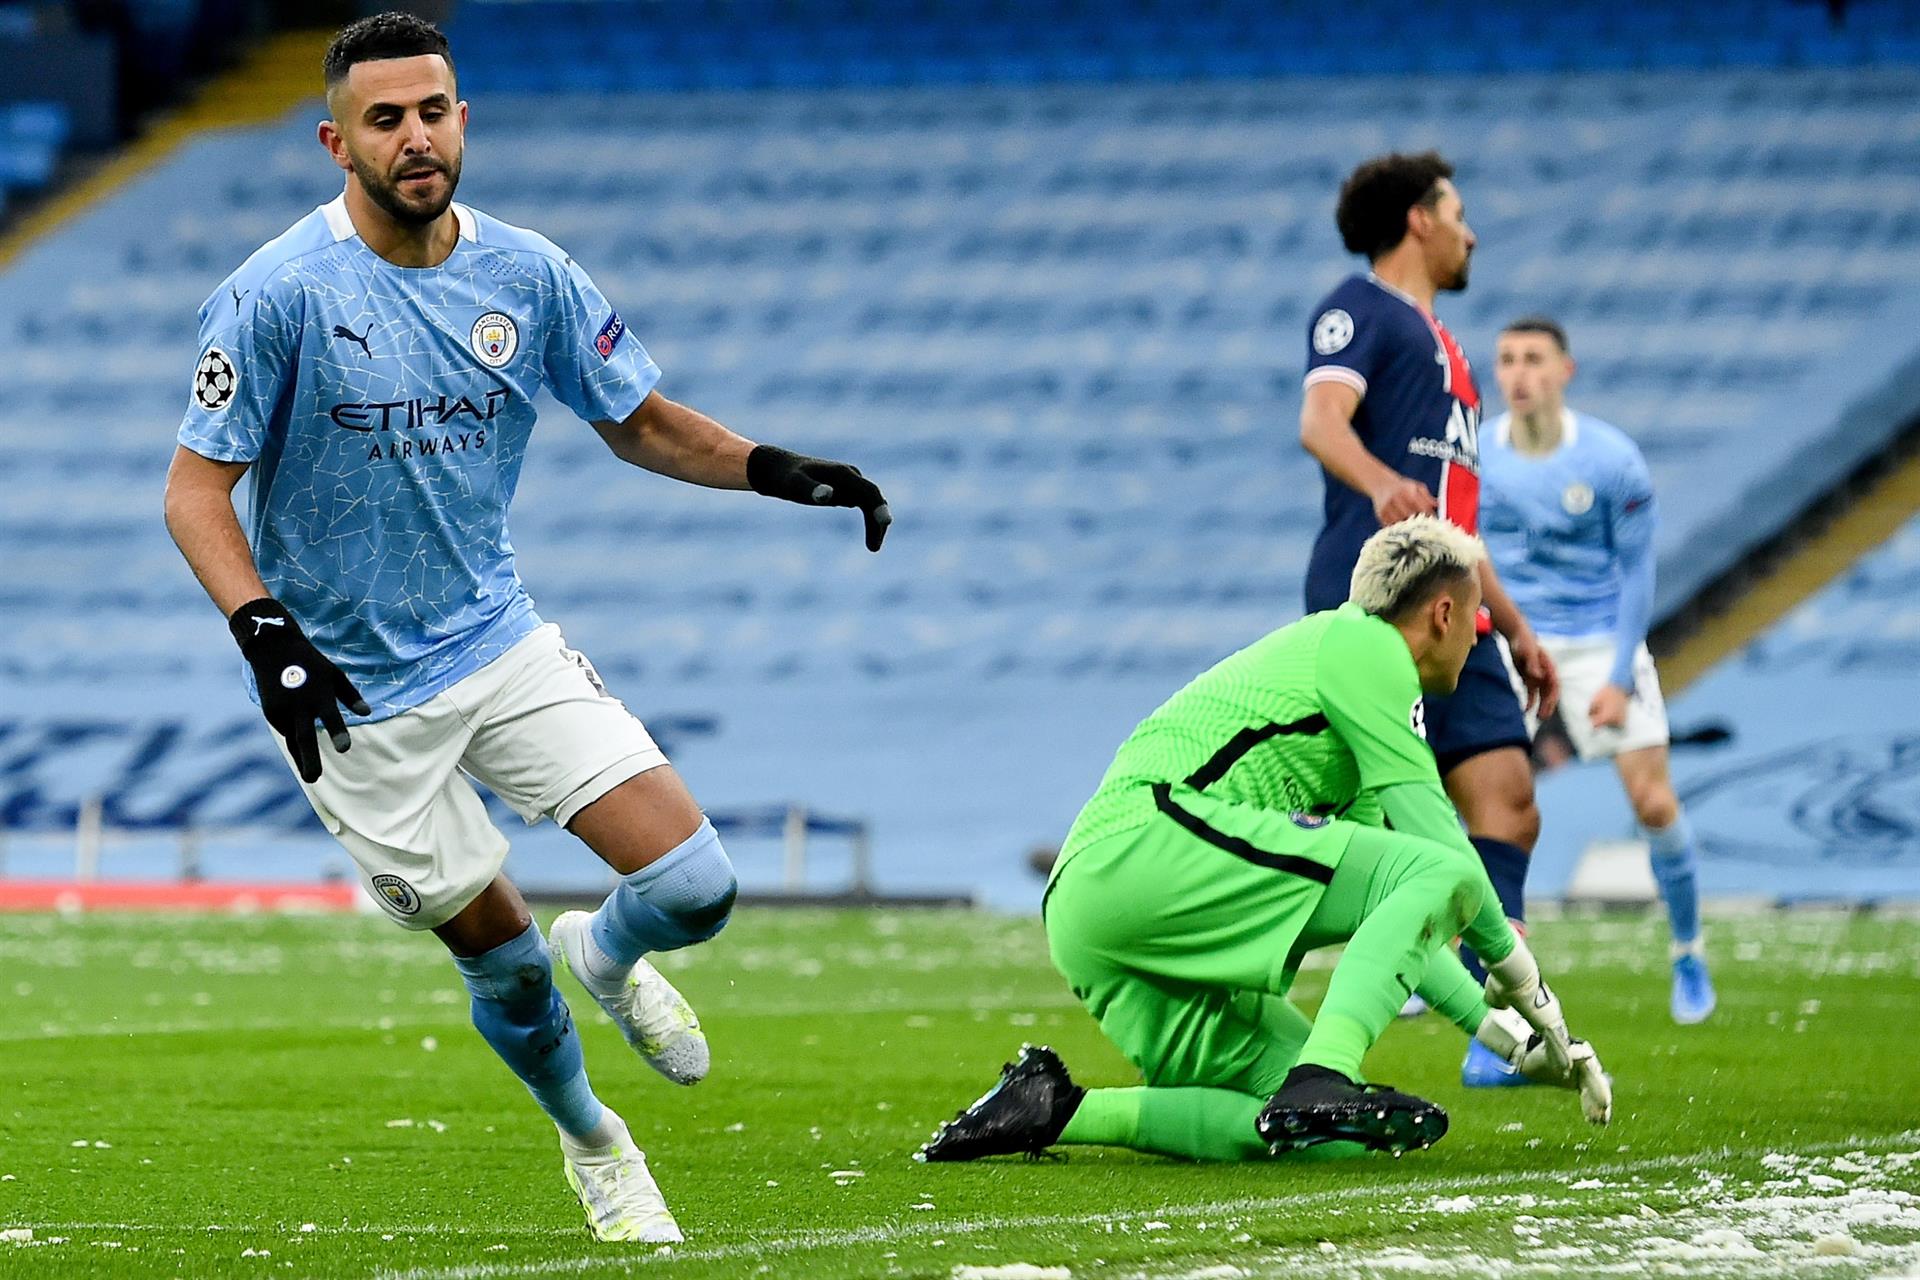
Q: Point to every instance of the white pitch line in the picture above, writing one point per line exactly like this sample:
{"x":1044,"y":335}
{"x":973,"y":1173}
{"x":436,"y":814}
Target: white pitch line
{"x":850,"y":1237}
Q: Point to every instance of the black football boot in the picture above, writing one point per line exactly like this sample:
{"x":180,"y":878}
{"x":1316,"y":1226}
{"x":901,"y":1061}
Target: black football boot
{"x":1021,"y":1115}
{"x":1317,"y":1104}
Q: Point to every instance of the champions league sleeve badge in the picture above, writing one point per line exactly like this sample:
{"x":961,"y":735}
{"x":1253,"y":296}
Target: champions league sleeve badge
{"x":1332,"y":332}
{"x":495,"y":338}
{"x":215,"y":381}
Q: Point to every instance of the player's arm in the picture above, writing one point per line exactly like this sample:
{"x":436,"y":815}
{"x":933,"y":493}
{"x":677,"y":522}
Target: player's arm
{"x":673,"y":440}
{"x":226,"y":422}
{"x":602,"y":373}
{"x":1529,"y":658}
{"x":1550,"y":1054}
{"x":199,"y":513}
{"x":1371,"y":695}
{"x":1631,"y":524}
{"x":670,"y":439}
{"x":1370,"y":692}
{"x":297,"y":684}
{"x":1326,"y":430}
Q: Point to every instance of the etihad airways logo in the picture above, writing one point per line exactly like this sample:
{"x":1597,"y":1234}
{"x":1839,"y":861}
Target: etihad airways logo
{"x":417,"y":413}
{"x":422,"y":414}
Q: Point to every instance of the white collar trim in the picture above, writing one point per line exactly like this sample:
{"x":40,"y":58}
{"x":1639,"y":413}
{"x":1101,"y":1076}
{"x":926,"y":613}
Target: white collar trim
{"x":1399,"y":293}
{"x":335,"y":212}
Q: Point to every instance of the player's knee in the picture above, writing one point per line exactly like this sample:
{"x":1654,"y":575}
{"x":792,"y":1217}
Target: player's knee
{"x":1526,"y":824}
{"x":1510,"y":818}
{"x":1450,"y":874}
{"x":690,"y":892}
{"x":1655,"y":806}
{"x":1503,"y":807}
{"x":1460,"y":877}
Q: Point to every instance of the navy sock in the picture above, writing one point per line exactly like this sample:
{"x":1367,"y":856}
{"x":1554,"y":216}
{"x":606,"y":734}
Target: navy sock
{"x":1507,"y":868}
{"x":522,"y":1016}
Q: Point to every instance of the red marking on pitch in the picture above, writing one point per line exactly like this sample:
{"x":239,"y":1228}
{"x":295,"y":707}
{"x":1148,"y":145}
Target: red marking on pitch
{"x":175,"y":895}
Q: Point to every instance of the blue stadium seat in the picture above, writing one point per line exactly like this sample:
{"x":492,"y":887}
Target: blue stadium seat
{"x":26,"y":165}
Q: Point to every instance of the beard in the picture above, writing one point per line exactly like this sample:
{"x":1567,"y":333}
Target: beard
{"x":1457,"y":282}
{"x":385,"y":191}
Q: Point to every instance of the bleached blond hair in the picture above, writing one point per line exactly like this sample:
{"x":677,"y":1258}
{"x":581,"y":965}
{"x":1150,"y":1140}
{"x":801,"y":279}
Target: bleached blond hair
{"x":1404,"y":564}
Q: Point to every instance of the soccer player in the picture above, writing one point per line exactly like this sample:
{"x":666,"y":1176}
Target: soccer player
{"x":1569,"y":518}
{"x":374,"y":368}
{"x":1392,"y":413}
{"x":1245,"y":823}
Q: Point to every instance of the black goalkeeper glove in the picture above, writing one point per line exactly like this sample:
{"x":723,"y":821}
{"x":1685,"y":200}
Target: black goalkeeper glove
{"x":297,"y":683}
{"x":816,"y":482}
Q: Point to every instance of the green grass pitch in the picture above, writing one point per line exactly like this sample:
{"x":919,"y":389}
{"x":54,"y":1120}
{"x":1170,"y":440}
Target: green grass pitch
{"x":303,"y":1097}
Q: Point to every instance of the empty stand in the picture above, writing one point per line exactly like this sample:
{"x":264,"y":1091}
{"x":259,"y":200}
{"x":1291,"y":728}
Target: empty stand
{"x":1064,"y":326}
{"x":636,"y":46}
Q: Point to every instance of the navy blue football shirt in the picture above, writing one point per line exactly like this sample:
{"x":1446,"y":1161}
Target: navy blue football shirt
{"x":1419,"y":413}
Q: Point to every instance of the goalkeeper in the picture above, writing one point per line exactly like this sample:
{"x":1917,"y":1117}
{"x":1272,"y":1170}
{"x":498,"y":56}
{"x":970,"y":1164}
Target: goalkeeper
{"x":1285,"y":800}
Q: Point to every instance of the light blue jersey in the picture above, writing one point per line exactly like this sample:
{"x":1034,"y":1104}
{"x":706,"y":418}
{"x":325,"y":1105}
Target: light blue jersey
{"x":386,"y":411}
{"x":1572,"y":533}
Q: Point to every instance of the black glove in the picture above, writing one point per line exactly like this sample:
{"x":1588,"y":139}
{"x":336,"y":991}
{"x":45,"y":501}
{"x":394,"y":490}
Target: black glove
{"x":297,"y":683}
{"x":817,"y":482}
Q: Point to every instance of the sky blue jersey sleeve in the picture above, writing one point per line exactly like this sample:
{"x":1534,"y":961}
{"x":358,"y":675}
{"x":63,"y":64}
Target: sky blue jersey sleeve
{"x":249,"y":344}
{"x":592,"y":364}
{"x":1633,"y":519}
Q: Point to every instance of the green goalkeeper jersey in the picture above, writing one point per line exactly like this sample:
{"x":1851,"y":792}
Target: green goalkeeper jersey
{"x":1309,"y":720}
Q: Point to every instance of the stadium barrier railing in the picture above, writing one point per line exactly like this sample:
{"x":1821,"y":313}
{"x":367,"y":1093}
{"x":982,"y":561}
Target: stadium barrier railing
{"x":83,"y":886}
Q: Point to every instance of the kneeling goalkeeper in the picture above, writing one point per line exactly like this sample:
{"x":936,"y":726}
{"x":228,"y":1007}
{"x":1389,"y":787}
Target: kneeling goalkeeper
{"x":1284,"y":800}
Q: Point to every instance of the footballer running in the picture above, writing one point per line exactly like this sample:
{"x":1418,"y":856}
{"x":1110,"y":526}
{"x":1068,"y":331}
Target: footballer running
{"x":374,"y":369}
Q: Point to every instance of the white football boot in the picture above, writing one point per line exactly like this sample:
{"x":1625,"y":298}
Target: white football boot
{"x":620,"y":1196}
{"x":654,"y":1018}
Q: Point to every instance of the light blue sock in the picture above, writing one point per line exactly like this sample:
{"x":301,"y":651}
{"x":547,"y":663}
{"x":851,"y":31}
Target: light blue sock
{"x":683,"y":897}
{"x":518,"y":1011}
{"x":1673,"y":871}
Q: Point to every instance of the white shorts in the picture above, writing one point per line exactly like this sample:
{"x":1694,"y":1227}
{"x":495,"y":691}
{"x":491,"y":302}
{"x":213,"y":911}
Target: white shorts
{"x":535,"y":725}
{"x":1584,"y":664}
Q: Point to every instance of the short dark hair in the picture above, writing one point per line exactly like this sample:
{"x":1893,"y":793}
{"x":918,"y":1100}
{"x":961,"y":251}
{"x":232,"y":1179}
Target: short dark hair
{"x":1375,"y":198}
{"x":1537,"y":323}
{"x":384,"y":35}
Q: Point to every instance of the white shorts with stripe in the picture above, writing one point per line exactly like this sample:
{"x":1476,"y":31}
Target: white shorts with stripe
{"x":1584,"y":664}
{"x":535,"y":726}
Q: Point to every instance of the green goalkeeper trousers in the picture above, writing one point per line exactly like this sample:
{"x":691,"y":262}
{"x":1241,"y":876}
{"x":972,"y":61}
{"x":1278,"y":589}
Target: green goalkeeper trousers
{"x":1183,"y":936}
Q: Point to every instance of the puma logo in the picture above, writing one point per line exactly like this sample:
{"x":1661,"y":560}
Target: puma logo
{"x":266,"y":622}
{"x":341,"y":331}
